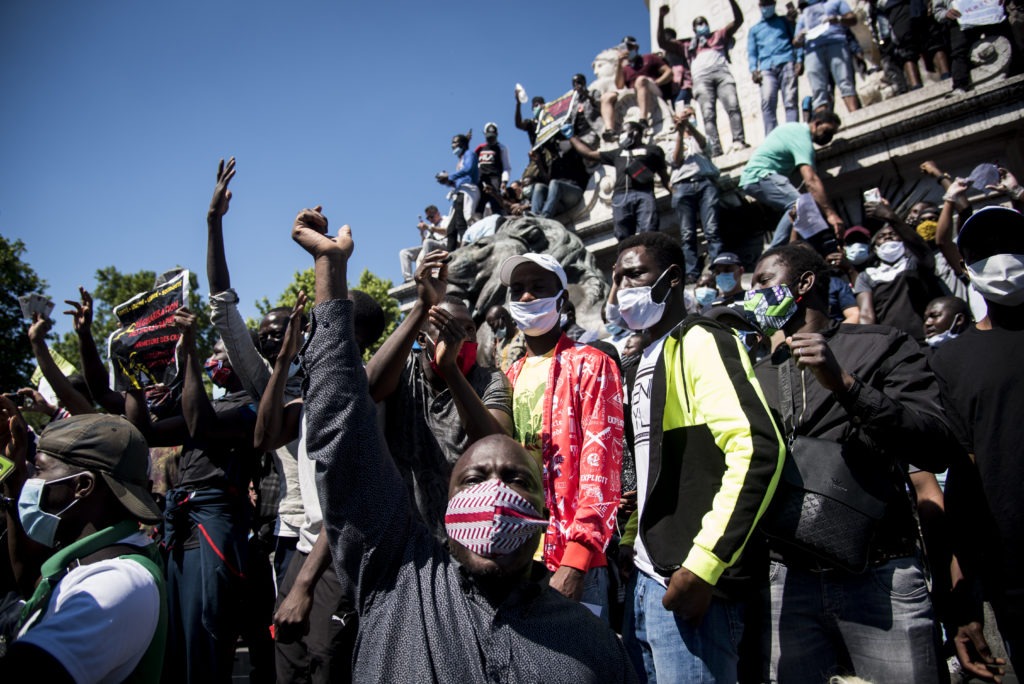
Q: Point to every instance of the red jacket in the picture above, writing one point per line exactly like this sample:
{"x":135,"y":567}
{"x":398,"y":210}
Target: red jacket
{"x":582,"y":451}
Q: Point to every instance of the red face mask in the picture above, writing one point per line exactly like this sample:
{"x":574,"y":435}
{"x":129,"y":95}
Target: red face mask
{"x":465,"y":360}
{"x":219,"y":373}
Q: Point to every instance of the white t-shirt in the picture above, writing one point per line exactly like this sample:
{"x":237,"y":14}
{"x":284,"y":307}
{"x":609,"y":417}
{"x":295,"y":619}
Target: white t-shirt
{"x":640,"y":410}
{"x":100,"y":619}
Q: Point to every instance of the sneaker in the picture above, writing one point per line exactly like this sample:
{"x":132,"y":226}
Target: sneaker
{"x":610,"y":136}
{"x":738,"y":146}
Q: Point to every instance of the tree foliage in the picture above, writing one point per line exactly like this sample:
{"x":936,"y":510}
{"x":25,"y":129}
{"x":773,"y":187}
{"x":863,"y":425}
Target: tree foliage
{"x":369,"y":283}
{"x":16,"y":278}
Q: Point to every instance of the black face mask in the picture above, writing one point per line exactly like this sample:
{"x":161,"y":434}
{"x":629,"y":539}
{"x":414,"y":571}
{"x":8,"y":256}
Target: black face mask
{"x":491,"y":138}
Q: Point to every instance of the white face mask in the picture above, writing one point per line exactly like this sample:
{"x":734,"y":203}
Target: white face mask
{"x":857,"y":253}
{"x":638,"y":308}
{"x":890,"y":252}
{"x":999,"y":278}
{"x":537,"y":317}
{"x":940,"y":338}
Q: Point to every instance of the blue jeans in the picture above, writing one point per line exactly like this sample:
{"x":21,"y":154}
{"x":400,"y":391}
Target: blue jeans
{"x":634,"y":211}
{"x":779,"y":78}
{"x":690,"y":197}
{"x":595,"y":590}
{"x":776,"y":192}
{"x":821,"y":62}
{"x":709,"y":87}
{"x":551,"y":199}
{"x":664,"y":647}
{"x":882,"y":618}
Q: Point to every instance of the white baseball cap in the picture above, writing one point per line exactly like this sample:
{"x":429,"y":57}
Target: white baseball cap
{"x":545,"y":261}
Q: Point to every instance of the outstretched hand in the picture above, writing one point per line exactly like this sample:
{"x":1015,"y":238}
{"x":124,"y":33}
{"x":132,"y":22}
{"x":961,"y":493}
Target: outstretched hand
{"x":13,"y":443}
{"x":310,"y":231}
{"x":432,"y":278}
{"x":81,"y":312}
{"x":221,"y":195}
{"x":293,"y":333}
{"x":185,"y":321}
{"x":450,"y":337}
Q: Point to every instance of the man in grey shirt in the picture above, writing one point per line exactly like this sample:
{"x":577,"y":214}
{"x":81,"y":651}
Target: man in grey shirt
{"x":428,"y":615}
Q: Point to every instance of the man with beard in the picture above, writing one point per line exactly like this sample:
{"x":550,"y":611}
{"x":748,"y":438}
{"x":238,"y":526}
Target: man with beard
{"x":789,"y":148}
{"x":636,"y":165}
{"x":465,"y":613}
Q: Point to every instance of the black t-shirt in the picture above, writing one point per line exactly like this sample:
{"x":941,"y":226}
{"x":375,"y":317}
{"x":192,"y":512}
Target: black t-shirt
{"x":900,"y":299}
{"x":222,"y":464}
{"x":981,"y":378}
{"x":569,"y":166}
{"x":489,"y":159}
{"x":644,"y":163}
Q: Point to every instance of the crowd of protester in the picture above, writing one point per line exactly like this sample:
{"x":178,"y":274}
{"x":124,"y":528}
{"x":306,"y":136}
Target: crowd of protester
{"x":615,"y":505}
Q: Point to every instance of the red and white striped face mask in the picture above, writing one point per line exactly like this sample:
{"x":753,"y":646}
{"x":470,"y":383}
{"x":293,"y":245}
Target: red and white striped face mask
{"x":492,"y":519}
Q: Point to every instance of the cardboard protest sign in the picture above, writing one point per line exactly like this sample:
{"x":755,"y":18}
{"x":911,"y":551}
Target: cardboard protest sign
{"x":554,"y":117}
{"x":142,"y":350}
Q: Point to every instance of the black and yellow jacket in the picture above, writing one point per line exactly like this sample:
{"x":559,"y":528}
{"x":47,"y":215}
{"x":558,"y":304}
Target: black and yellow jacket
{"x":715,"y":456}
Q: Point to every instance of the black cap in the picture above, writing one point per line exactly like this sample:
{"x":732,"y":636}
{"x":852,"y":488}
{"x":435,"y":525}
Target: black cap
{"x":110,"y":446}
{"x":992,"y":230}
{"x":727,"y":259}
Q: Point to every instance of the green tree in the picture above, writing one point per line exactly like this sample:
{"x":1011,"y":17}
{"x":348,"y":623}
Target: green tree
{"x":114,"y":287}
{"x":16,"y":278}
{"x":369,"y":283}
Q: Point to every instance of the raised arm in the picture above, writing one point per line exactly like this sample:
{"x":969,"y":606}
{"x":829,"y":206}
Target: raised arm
{"x":366,"y":509}
{"x":384,"y":370}
{"x":74,"y":403}
{"x":944,"y":237}
{"x":247,"y":363}
{"x":216,"y":261}
{"x":195,"y":405}
{"x":737,"y":19}
{"x":914,"y":243}
{"x":277,"y":424}
{"x":93,"y":370}
{"x":26,"y":556}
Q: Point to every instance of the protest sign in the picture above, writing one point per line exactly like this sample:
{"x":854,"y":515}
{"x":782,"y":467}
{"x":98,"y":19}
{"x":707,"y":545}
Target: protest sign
{"x":554,"y":117}
{"x":979,"y":12}
{"x":142,"y":350}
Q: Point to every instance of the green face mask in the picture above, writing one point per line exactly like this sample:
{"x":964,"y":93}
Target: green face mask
{"x":770,"y":307}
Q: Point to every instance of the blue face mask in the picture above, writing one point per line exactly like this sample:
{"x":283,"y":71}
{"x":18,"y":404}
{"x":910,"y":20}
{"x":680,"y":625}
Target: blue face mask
{"x":725,"y":282}
{"x":705,"y":295}
{"x":768,"y":12}
{"x":702,"y":30}
{"x":39,"y":525}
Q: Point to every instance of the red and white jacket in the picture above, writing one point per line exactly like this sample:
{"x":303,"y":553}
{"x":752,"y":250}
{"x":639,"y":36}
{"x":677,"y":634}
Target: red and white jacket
{"x":582,"y":453}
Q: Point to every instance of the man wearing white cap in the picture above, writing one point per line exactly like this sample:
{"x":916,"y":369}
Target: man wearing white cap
{"x":567,"y":408}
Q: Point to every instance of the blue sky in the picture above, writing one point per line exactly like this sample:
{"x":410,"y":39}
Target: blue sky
{"x":116,"y":112}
